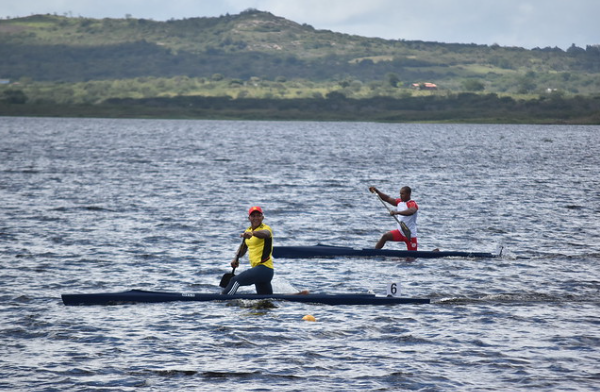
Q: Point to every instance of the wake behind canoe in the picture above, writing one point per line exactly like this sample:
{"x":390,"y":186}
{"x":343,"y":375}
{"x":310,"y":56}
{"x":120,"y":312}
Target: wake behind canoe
{"x":300,"y":252}
{"x":137,"y":296}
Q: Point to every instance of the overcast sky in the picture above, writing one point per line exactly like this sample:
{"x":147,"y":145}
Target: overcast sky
{"x":523,"y":23}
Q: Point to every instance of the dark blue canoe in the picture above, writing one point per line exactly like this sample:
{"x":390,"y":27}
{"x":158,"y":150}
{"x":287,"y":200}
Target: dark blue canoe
{"x":301,"y":252}
{"x":136,"y":296}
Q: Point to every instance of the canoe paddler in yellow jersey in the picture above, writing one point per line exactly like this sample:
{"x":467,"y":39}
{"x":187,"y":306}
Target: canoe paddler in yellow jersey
{"x":258,"y":242}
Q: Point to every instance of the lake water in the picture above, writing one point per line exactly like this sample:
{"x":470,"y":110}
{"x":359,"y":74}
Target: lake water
{"x":104,"y":205}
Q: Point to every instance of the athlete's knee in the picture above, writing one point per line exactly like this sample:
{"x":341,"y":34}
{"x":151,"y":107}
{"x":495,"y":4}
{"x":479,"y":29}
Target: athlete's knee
{"x":232,"y":287}
{"x":389,"y":236}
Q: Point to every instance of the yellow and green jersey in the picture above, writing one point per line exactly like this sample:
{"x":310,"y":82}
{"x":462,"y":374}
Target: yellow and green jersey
{"x":260,"y":250}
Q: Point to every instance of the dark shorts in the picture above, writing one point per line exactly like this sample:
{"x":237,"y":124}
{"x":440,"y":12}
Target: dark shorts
{"x":260,"y":276}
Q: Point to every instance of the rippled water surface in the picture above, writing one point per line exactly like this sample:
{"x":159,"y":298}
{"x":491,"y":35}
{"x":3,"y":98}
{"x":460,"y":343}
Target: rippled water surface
{"x":108,"y":205}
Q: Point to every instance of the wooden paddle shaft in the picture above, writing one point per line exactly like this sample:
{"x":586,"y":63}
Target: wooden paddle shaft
{"x":388,"y":207}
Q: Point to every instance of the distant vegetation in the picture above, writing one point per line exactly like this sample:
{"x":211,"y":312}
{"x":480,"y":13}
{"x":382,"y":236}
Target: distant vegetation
{"x":260,"y":59}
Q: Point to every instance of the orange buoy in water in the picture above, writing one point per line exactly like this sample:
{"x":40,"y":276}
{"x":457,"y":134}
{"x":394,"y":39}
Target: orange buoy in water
{"x":309,"y":317}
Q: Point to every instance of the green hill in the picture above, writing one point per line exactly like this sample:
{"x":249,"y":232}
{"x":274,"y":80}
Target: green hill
{"x":259,"y":55}
{"x":259,"y":44}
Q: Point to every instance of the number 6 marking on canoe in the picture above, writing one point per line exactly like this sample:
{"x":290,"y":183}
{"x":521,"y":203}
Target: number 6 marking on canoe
{"x":393,"y":289}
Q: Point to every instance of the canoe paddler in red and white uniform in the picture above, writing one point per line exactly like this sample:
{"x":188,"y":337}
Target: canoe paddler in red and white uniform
{"x":406,"y":213}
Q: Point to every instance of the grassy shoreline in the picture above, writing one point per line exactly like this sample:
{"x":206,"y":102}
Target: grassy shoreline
{"x":462,"y":108}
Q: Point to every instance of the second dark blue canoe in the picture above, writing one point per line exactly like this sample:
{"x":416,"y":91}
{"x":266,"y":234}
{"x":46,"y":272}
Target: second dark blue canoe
{"x":301,"y":252}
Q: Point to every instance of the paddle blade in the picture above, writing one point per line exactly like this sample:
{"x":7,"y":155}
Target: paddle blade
{"x":226,"y":278}
{"x":406,"y":230}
